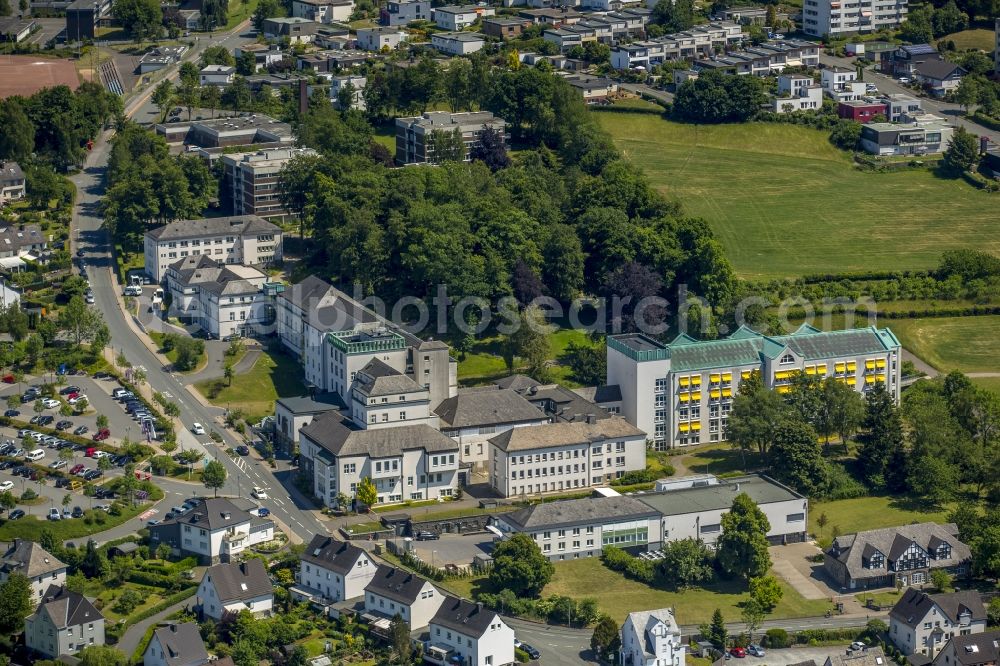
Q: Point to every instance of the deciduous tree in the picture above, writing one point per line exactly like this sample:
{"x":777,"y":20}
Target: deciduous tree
{"x":742,"y":548}
{"x":214,"y":476}
{"x":520,"y":566}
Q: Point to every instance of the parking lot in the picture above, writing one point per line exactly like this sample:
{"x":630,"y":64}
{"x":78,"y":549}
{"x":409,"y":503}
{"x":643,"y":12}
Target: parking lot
{"x":457,"y":549}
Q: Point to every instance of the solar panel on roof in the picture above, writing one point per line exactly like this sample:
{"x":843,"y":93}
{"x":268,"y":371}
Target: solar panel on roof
{"x":920,"y":49}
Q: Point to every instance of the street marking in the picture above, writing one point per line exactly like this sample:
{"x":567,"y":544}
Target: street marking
{"x":144,"y":516}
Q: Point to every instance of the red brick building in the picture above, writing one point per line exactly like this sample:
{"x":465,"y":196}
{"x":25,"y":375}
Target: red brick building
{"x":861,"y":111}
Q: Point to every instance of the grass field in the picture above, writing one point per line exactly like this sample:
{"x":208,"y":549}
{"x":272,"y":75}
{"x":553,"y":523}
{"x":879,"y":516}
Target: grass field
{"x":31,"y":527}
{"x":867,"y":513}
{"x":777,"y":194}
{"x":273,"y":376}
{"x":158,"y":338}
{"x":977,"y":38}
{"x":718,"y":459}
{"x":485,"y":363}
{"x":988,"y":383}
{"x":968,"y":344}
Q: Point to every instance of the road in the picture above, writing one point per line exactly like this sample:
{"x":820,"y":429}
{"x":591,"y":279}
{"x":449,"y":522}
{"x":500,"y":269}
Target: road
{"x":288,"y":506}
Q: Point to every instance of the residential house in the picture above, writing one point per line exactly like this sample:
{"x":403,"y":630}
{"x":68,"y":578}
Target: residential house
{"x":554,"y":16}
{"x":689,"y":44}
{"x":904,"y":60}
{"x":176,"y":645}
{"x":160,"y":57}
{"x":745,"y":14}
{"x":459,"y":17}
{"x":681,"y":393}
{"x":264,"y":55}
{"x":593,"y":89}
{"x":651,"y":638}
{"x":923,"y":135}
{"x":971,"y":650}
{"x":473,"y":416}
{"x":241,"y":239}
{"x":296,"y":29}
{"x":900,"y":106}
{"x":331,"y":570}
{"x":413,"y":134}
{"x":885,"y":557}
{"x":871,"y":656}
{"x":214,"y":530}
{"x":571,"y":529}
{"x":231,"y":588}
{"x":463,"y":632}
{"x":860,"y":111}
{"x":922,"y":623}
{"x":940,"y":77}
{"x":376,"y":39}
{"x":217,"y":75}
{"x":22,"y":240}
{"x":323,"y":11}
{"x":563,"y":456}
{"x":357,"y":85}
{"x":63,"y":623}
{"x":222,"y":299}
{"x":12,"y":182}
{"x":841,"y":84}
{"x":822,"y":17}
{"x":393,"y":592}
{"x":458,"y":43}
{"x":9,"y":295}
{"x":251,"y":181}
{"x":564,"y":38}
{"x":40,"y":567}
{"x":797,"y":93}
{"x":763,"y":60}
{"x":401,"y":12}
{"x":696,"y":512}
{"x":504,"y":27}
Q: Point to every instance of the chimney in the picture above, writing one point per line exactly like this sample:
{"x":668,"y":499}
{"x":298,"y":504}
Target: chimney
{"x":479,"y":606}
{"x":591,"y":419}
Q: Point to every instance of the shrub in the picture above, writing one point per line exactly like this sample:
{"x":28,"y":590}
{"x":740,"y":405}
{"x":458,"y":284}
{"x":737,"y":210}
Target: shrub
{"x":777,"y":638}
{"x":521,"y":656}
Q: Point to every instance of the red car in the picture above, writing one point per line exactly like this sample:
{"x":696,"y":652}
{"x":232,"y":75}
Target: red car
{"x":738,"y":652}
{"x":102,"y":435}
{"x":8,"y":379}
{"x":72,"y":395}
{"x":79,"y":467}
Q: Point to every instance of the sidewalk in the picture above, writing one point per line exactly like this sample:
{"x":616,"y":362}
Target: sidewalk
{"x":133,"y":635}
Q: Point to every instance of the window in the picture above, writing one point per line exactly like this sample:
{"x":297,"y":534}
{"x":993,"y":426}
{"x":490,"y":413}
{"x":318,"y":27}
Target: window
{"x":795,"y":517}
{"x":349,"y":468}
{"x":786,"y":359}
{"x":710,"y":529}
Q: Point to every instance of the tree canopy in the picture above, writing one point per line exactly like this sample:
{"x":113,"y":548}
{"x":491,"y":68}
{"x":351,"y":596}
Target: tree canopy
{"x":520,"y":566}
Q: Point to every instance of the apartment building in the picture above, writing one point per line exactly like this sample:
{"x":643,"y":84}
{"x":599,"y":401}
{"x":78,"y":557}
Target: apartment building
{"x":176,"y":645}
{"x":84,"y":16}
{"x":39,"y":566}
{"x":63,"y":623}
{"x":923,"y":135}
{"x":413,"y":135}
{"x":465,"y":632}
{"x":222,"y":299}
{"x":571,"y":529}
{"x":563,"y":456}
{"x":822,"y":18}
{"x":240,"y":239}
{"x":323,"y":11}
{"x":797,"y":93}
{"x":458,"y":43}
{"x":651,"y":638}
{"x":922,"y":623}
{"x":971,"y":650}
{"x":682,"y":393}
{"x":459,"y":17}
{"x":215,"y":530}
{"x":701,"y":40}
{"x":764,"y":60}
{"x":233,"y":587}
{"x":904,"y":60}
{"x":12,"y":182}
{"x":251,"y":181}
{"x":355,"y":83}
{"x":401,"y":12}
{"x":331,"y":570}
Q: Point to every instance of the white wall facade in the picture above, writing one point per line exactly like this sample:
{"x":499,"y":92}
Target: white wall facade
{"x":228,"y":248}
{"x":493,"y":648}
{"x":42,"y":636}
{"x":215,"y":608}
{"x":334,"y":586}
{"x":789,"y":516}
{"x":418,"y":613}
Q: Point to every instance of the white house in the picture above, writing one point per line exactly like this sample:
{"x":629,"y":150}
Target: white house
{"x":223,"y":299}
{"x":797,"y":93}
{"x":467,"y":633}
{"x":376,"y":39}
{"x":231,"y":588}
{"x":459,"y":17}
{"x":841,"y":84}
{"x":29,"y":559}
{"x":651,"y":638}
{"x":393,"y":592}
{"x":458,"y":43}
{"x":217,"y":75}
{"x":323,"y":11}
{"x":214,"y":530}
{"x":176,"y":645}
{"x":331,"y":570}
{"x":64,"y":622}
{"x":922,"y":623}
{"x":357,"y":84}
{"x":12,"y":182}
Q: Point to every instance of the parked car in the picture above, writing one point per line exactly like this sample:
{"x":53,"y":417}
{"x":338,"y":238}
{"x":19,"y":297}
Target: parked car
{"x":11,"y":413}
{"x":35,"y":420}
{"x":54,"y":514}
{"x":65,"y":424}
{"x":46,"y":419}
{"x":50,"y":403}
{"x":755,"y":650}
{"x":197,"y":429}
{"x":427,"y":535}
{"x":57,"y":464}
{"x":263,"y":512}
{"x":7,"y":464}
{"x":532,"y":652}
{"x":77,"y":398}
{"x":243,"y":450}
{"x":101,"y":435}
{"x":77,"y":512}
{"x":6,"y":485}
{"x":89,"y":299}
{"x":77,"y":468}
{"x":62,"y":482}
{"x":858,"y":645}
{"x":92,"y":474}
{"x":258,"y":493}
{"x":81,"y":430}
{"x":738,"y":652}
{"x":66,"y":390}
{"x":154,"y":521}
{"x":16,"y":514}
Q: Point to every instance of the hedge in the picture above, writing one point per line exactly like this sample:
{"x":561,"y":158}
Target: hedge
{"x":986,"y":121}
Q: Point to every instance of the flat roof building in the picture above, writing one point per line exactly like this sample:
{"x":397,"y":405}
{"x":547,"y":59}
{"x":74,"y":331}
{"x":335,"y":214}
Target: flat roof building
{"x":224,"y":132}
{"x":413,"y":135}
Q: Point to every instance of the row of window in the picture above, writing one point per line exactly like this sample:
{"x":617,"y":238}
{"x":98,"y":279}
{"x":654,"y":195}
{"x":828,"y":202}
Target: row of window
{"x":198,"y":243}
{"x":579,"y":468}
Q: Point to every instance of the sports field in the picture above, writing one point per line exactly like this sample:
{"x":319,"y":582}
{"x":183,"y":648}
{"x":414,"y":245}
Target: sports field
{"x":26,"y":75}
{"x":785,"y":202}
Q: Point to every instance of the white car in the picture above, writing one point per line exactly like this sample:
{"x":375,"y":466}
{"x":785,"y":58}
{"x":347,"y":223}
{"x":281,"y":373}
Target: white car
{"x":49,"y":403}
{"x":89,"y":298}
{"x":57,"y":464}
{"x":6,"y":485}
{"x":197,"y":428}
{"x":258,"y":493}
{"x":78,"y":398}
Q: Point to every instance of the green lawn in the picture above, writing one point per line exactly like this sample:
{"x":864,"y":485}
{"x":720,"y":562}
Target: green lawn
{"x":868,"y":513}
{"x":988,"y":383}
{"x":31,"y":527}
{"x":618,"y":596}
{"x":968,"y":344}
{"x":784,"y":202}
{"x":239,"y":11}
{"x":718,"y":459}
{"x":273,"y":376}
{"x":978,"y":38}
{"x":484,"y":363}
{"x":386,"y":135}
{"x":172,"y":354}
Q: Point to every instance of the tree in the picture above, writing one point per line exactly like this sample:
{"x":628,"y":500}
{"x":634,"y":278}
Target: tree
{"x":217,"y":55}
{"x":79,"y":320}
{"x":716,"y":632}
{"x":685,"y":563}
{"x":605,"y":639}
{"x":214,"y":476}
{"x":367,"y":494}
{"x":752,"y":615}
{"x":795,"y":457}
{"x":491,"y":149}
{"x":444,"y":146}
{"x":588,"y":363}
{"x":265,"y":9}
{"x":399,"y":637}
{"x":211,"y":98}
{"x":562,"y":269}
{"x":163,"y":95}
{"x":771,"y":18}
{"x":842,"y":410}
{"x":189,"y":352}
{"x":962,"y":153}
{"x":17,"y":141}
{"x":246,"y":64}
{"x":15,"y":603}
{"x":674,"y":16}
{"x":757,"y":411}
{"x":940,"y":580}
{"x":968,"y":92}
{"x":141,"y":19}
{"x":846,"y":134}
{"x":102,"y":421}
{"x":101,"y":655}
{"x":742,"y":548}
{"x":883,"y":435}
{"x":189,"y":74}
{"x":520,"y":566}
{"x":766,"y":591}
{"x":104,"y":463}
{"x":529,"y":342}
{"x":227,"y":372}
{"x":7,"y":500}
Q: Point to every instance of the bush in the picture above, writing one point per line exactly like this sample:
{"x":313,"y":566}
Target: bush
{"x":637,"y":476}
{"x":521,"y":656}
{"x":618,"y":560}
{"x":777,"y":638}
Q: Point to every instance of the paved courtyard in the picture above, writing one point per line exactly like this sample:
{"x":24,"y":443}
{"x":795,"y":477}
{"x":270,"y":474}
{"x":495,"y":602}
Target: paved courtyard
{"x":792,"y":563}
{"x":457,"y":549}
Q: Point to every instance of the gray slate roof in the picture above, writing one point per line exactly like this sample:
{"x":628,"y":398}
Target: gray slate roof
{"x":339,"y":435}
{"x":30,"y":559}
{"x":66,"y":608}
{"x":396,"y":584}
{"x":212,"y":276}
{"x":914,"y":605}
{"x":10,"y":172}
{"x":585,"y":511}
{"x":974,"y":649}
{"x":378,"y":378}
{"x":239,"y":581}
{"x":565,"y":434}
{"x":644,"y":621}
{"x":488,"y":407}
{"x":215,"y":226}
{"x":465,"y":617}
{"x":182,"y":644}
{"x":212,"y":513}
{"x":329,"y":553}
{"x":872,"y":656}
{"x":893,"y":541}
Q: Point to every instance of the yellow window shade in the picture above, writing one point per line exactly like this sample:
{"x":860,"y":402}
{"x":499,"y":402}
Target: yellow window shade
{"x":714,"y":378}
{"x":684,"y":397}
{"x":784,"y":389}
{"x":727,"y":376}
{"x":821,"y":368}
{"x":684,"y":381}
{"x":810,"y":369}
{"x":781,"y":375}
{"x":880,"y":378}
{"x":746,"y":374}
{"x":870,"y":379}
{"x":870,"y":364}
{"x":684,"y":427}
{"x":727,"y":393}
{"x":696,"y":425}
{"x":880,"y":363}
{"x":696,"y":396}
{"x":851,"y":365}
{"x":715,"y":394}
{"x":839,"y":367}
{"x":696,"y":380}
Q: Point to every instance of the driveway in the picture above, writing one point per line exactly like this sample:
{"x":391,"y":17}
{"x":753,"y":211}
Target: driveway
{"x":792,"y":563}
{"x":795,"y":655}
{"x":457,"y":549}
